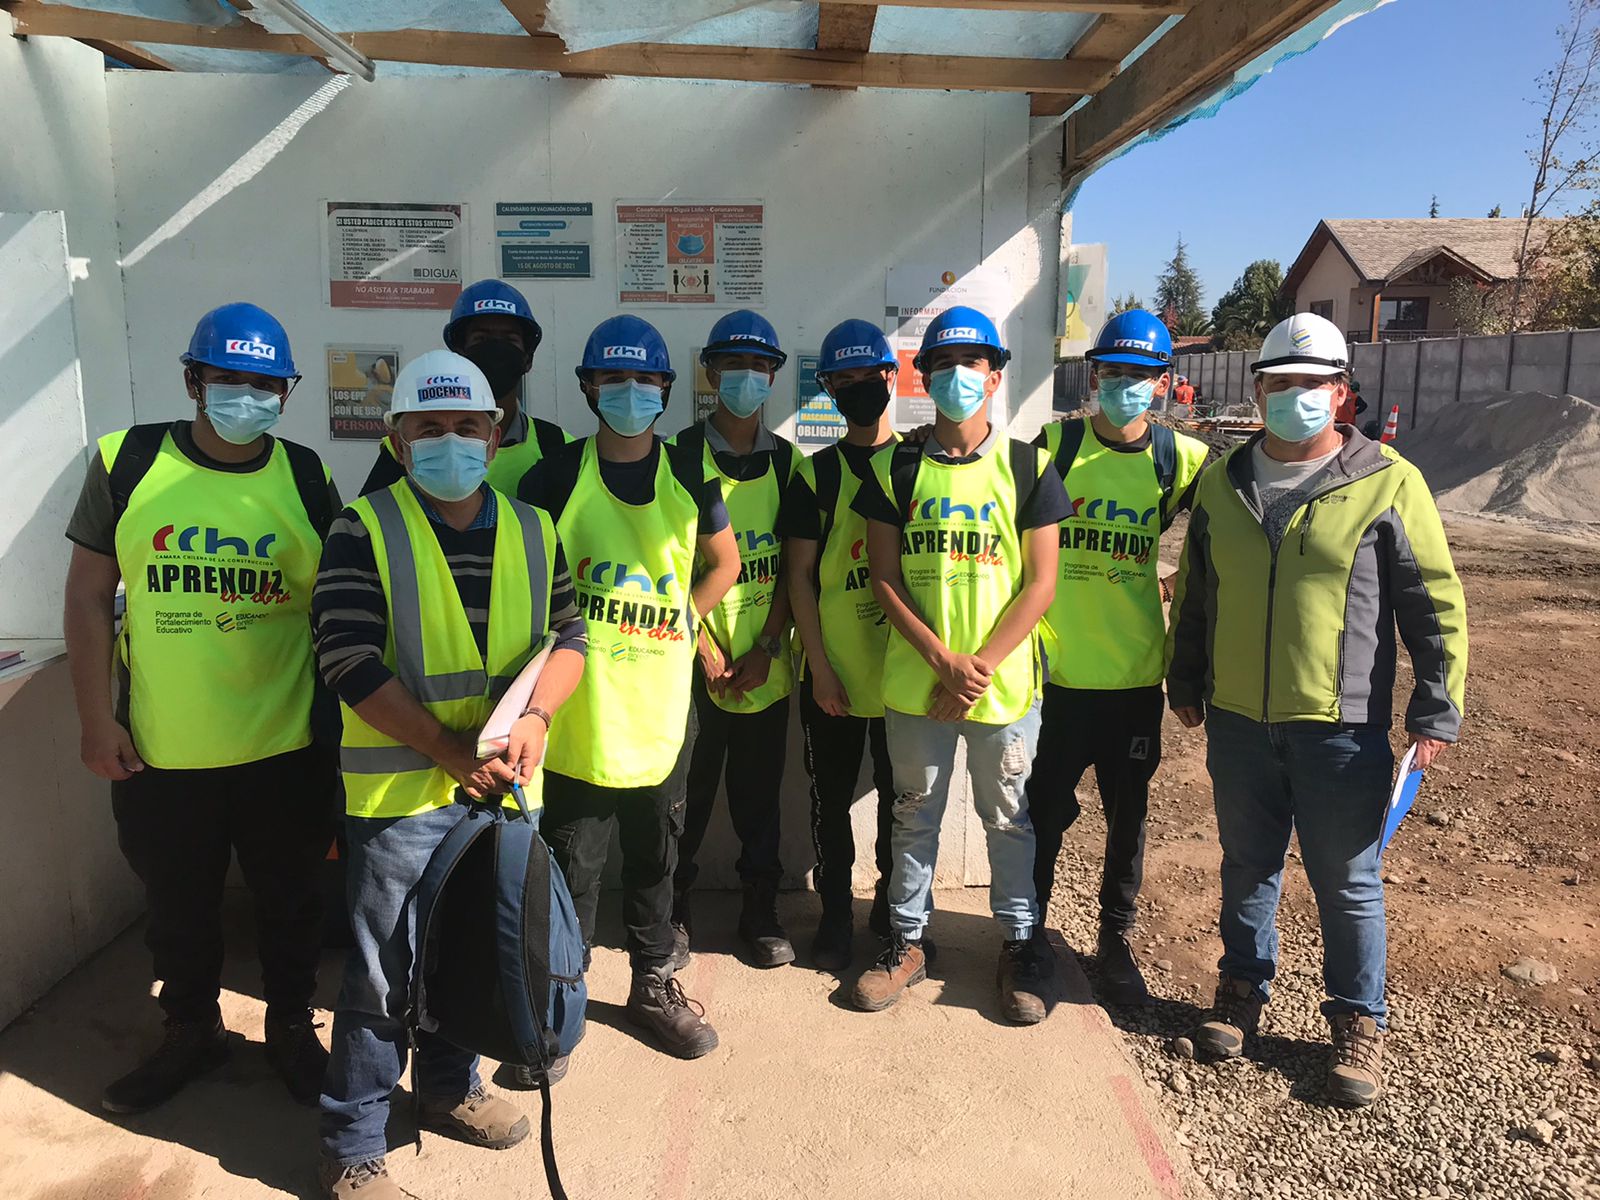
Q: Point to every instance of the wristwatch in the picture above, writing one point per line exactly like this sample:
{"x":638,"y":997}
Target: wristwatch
{"x":769,"y":645}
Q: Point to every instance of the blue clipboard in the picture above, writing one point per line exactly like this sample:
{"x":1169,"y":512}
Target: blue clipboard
{"x":1406,"y":783}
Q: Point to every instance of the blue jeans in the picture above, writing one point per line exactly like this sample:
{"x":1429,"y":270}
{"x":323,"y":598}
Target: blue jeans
{"x":384,"y":864}
{"x":1330,"y":782}
{"x":999,"y":759}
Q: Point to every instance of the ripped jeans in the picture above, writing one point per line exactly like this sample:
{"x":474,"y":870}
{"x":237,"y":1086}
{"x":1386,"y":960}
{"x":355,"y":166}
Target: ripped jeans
{"x":999,"y":759}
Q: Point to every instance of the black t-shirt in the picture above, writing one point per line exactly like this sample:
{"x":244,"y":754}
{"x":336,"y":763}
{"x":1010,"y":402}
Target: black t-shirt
{"x":548,"y":484}
{"x":1046,"y":504}
{"x":800,"y":515}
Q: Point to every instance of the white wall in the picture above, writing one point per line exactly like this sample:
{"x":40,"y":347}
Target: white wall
{"x":853,"y":182}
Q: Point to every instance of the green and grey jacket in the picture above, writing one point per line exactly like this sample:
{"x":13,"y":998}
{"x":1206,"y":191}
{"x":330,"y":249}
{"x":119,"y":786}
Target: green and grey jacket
{"x":1308,"y":633}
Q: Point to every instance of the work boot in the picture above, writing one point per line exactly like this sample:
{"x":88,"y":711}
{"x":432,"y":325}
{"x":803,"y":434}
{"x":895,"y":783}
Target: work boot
{"x":297,"y":1056}
{"x":1235,"y":1014}
{"x":524,"y":1078}
{"x":878,"y":922}
{"x":478,"y":1118}
{"x":763,"y":934}
{"x":682,"y":931}
{"x":901,"y":965}
{"x":360,"y":1181}
{"x":1355,"y":1068}
{"x":1120,"y":980}
{"x":831,"y":948}
{"x":188,"y":1051}
{"x":1021,"y":981}
{"x":656,"y":1004}
{"x":1044,"y":951}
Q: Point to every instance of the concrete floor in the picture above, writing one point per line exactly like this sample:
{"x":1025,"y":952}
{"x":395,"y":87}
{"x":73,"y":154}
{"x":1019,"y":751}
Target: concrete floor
{"x":933,"y":1098}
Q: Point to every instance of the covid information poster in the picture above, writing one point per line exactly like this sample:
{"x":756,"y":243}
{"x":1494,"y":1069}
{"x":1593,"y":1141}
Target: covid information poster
{"x":395,"y":255}
{"x":702,"y":252}
{"x":918,"y":294}
{"x":360,"y":386}
{"x":545,"y":239}
{"x":816,"y":421}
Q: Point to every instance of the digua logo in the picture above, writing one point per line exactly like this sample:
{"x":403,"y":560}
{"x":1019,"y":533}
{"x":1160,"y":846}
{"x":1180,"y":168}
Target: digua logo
{"x":214,"y":542}
{"x":622,"y":576}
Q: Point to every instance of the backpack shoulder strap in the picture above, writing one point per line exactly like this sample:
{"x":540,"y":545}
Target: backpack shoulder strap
{"x":1164,"y":451}
{"x":686,"y":456}
{"x":135,"y":456}
{"x":550,"y":436}
{"x":785,"y":458}
{"x":828,"y":466}
{"x":1024,"y":469}
{"x":904,"y":464}
{"x":1071,"y":440}
{"x":441,"y":865}
{"x":311,"y":481}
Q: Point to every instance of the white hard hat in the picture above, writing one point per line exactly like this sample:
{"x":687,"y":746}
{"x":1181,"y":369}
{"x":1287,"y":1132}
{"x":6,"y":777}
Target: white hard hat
{"x":1304,"y":344}
{"x":440,"y":381}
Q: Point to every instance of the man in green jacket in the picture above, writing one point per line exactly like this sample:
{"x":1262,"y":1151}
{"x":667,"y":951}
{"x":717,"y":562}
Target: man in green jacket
{"x":1307,"y":547}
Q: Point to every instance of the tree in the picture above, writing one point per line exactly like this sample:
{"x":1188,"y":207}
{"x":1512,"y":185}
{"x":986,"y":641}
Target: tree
{"x":1196,"y":324}
{"x":1178,"y":293}
{"x":1494,"y":212}
{"x":1252,"y":306}
{"x":1127,"y":302}
{"x":1564,"y":155}
{"x":1433,"y":208}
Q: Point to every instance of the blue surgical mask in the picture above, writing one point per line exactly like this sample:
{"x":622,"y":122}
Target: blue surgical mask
{"x":629,"y":407}
{"x":1298,"y":414}
{"x":1123,"y":400}
{"x":449,"y":467}
{"x":957,"y":391}
{"x":742,"y":392}
{"x":241,"y":413}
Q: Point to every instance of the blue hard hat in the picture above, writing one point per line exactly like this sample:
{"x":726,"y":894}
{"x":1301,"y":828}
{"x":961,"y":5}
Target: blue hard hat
{"x":490,"y":298}
{"x":855,"y":343}
{"x":743,"y":332}
{"x":1136,"y":337}
{"x":626,"y":343}
{"x":241,"y":337}
{"x":963,"y":326}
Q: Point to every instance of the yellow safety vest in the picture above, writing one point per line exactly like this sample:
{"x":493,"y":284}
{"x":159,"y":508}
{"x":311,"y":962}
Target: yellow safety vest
{"x":632,"y":565}
{"x":961,"y":560}
{"x":854,"y":630}
{"x":430,"y":648}
{"x":218,"y":567}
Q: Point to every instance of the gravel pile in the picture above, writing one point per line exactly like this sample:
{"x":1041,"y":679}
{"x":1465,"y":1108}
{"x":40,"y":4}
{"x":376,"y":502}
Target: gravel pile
{"x":1487,"y":1097}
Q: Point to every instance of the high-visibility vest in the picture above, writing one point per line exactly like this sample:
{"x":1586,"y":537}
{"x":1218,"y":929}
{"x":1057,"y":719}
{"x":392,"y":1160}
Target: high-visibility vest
{"x":1105,"y":629}
{"x":961,"y":560}
{"x":216,"y":640}
{"x":854,"y":630}
{"x":737,"y":620}
{"x":632,"y":565}
{"x":511,"y":463}
{"x":431,"y":650}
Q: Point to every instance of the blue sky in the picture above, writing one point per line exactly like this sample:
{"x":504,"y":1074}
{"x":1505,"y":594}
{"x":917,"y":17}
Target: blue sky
{"x":1416,"y":98}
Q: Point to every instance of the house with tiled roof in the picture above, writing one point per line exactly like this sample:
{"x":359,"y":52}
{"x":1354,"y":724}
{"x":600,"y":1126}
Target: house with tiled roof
{"x":1382,"y":280}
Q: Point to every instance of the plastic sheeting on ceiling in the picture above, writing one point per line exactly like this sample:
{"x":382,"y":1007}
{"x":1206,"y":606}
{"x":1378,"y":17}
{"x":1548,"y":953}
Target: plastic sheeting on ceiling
{"x":977,"y":33}
{"x":592,"y":24}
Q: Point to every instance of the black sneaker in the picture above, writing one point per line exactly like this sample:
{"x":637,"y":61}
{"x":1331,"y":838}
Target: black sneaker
{"x":297,"y":1056}
{"x":682,"y":931}
{"x":189,"y":1050}
{"x":1120,"y":979}
{"x":830,"y":949}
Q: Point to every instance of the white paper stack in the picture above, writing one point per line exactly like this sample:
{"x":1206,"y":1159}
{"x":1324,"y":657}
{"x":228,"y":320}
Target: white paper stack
{"x":496,"y":733}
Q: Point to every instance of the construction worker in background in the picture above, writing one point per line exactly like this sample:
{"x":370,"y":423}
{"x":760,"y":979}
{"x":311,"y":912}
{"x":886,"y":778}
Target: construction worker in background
{"x":215,"y":528}
{"x":1105,"y":632}
{"x":1183,"y":394}
{"x":842,"y":629}
{"x":962,"y":546}
{"x":635,"y":515}
{"x":1307,"y":547}
{"x":742,"y":714}
{"x":1352,"y":406}
{"x":492,"y":326}
{"x":434,"y":593}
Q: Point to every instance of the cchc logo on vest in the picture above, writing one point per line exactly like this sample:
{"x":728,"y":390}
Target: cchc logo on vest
{"x":1103,"y":526}
{"x":758,"y":556}
{"x":202,"y":560}
{"x":637,"y":606}
{"x":959,"y":532}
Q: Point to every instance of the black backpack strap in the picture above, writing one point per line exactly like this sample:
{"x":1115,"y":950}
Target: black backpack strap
{"x":903,"y":467}
{"x":548,"y":435}
{"x":784,"y":461}
{"x":311,"y":481}
{"x":828,"y":466}
{"x":1164,"y":450}
{"x":1025,"y":469}
{"x":686,"y":456}
{"x":1071,"y":440}
{"x":135,"y":456}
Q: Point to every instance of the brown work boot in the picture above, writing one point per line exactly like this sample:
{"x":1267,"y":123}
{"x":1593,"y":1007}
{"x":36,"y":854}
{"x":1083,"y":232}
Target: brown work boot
{"x":478,"y":1119}
{"x":1235,"y":1014}
{"x":656,"y":1004}
{"x":360,"y":1181}
{"x":1355,"y":1068}
{"x":1021,"y":980}
{"x":901,"y":964}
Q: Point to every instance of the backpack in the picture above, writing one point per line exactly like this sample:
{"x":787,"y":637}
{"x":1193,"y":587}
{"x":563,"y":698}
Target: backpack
{"x":907,"y":460}
{"x":1163,"y":452}
{"x":499,"y":960}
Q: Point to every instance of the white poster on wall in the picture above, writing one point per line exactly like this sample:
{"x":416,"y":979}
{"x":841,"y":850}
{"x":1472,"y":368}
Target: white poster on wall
{"x":915,"y":296}
{"x":394,"y":255}
{"x":696,"y":252}
{"x":1083,"y":300}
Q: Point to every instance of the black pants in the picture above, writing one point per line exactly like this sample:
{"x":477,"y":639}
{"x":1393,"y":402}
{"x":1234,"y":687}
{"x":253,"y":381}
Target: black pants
{"x":746,"y":750}
{"x":1119,"y":734}
{"x":833,"y":760}
{"x":178,"y":830}
{"x":577,"y":822}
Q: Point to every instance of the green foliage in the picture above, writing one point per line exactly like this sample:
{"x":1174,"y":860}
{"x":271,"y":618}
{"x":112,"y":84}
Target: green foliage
{"x":1433,"y":208}
{"x":1252,"y":306}
{"x":1178,"y":293}
{"x":1494,"y":212}
{"x":1122,"y":305}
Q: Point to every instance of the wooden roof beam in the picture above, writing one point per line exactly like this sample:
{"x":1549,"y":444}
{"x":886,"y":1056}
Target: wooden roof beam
{"x":846,"y":27}
{"x":131,"y":55}
{"x":1143,"y":8}
{"x":1113,"y":36}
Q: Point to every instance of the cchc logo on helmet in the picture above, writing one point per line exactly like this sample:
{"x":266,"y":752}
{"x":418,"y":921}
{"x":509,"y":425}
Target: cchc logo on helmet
{"x":1132,"y":344}
{"x":853,"y":352}
{"x":504,"y":306}
{"x":444,"y":387}
{"x":214,"y":543}
{"x":250,"y":349}
{"x":634,"y":352}
{"x":621,"y":577}
{"x":958,"y":333}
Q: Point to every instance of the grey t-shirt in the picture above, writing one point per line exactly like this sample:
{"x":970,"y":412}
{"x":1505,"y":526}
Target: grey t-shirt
{"x":1284,"y":486}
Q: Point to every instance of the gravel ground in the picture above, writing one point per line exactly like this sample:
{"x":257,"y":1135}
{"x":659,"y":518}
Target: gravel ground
{"x":1486,"y":1096}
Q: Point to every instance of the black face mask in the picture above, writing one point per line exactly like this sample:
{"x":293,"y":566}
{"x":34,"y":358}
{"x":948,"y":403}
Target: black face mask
{"x":502,"y":361}
{"x":863,"y":402}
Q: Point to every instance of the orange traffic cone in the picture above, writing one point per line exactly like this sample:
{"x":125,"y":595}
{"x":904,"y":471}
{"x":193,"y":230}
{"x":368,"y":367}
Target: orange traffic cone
{"x":1391,"y":427}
